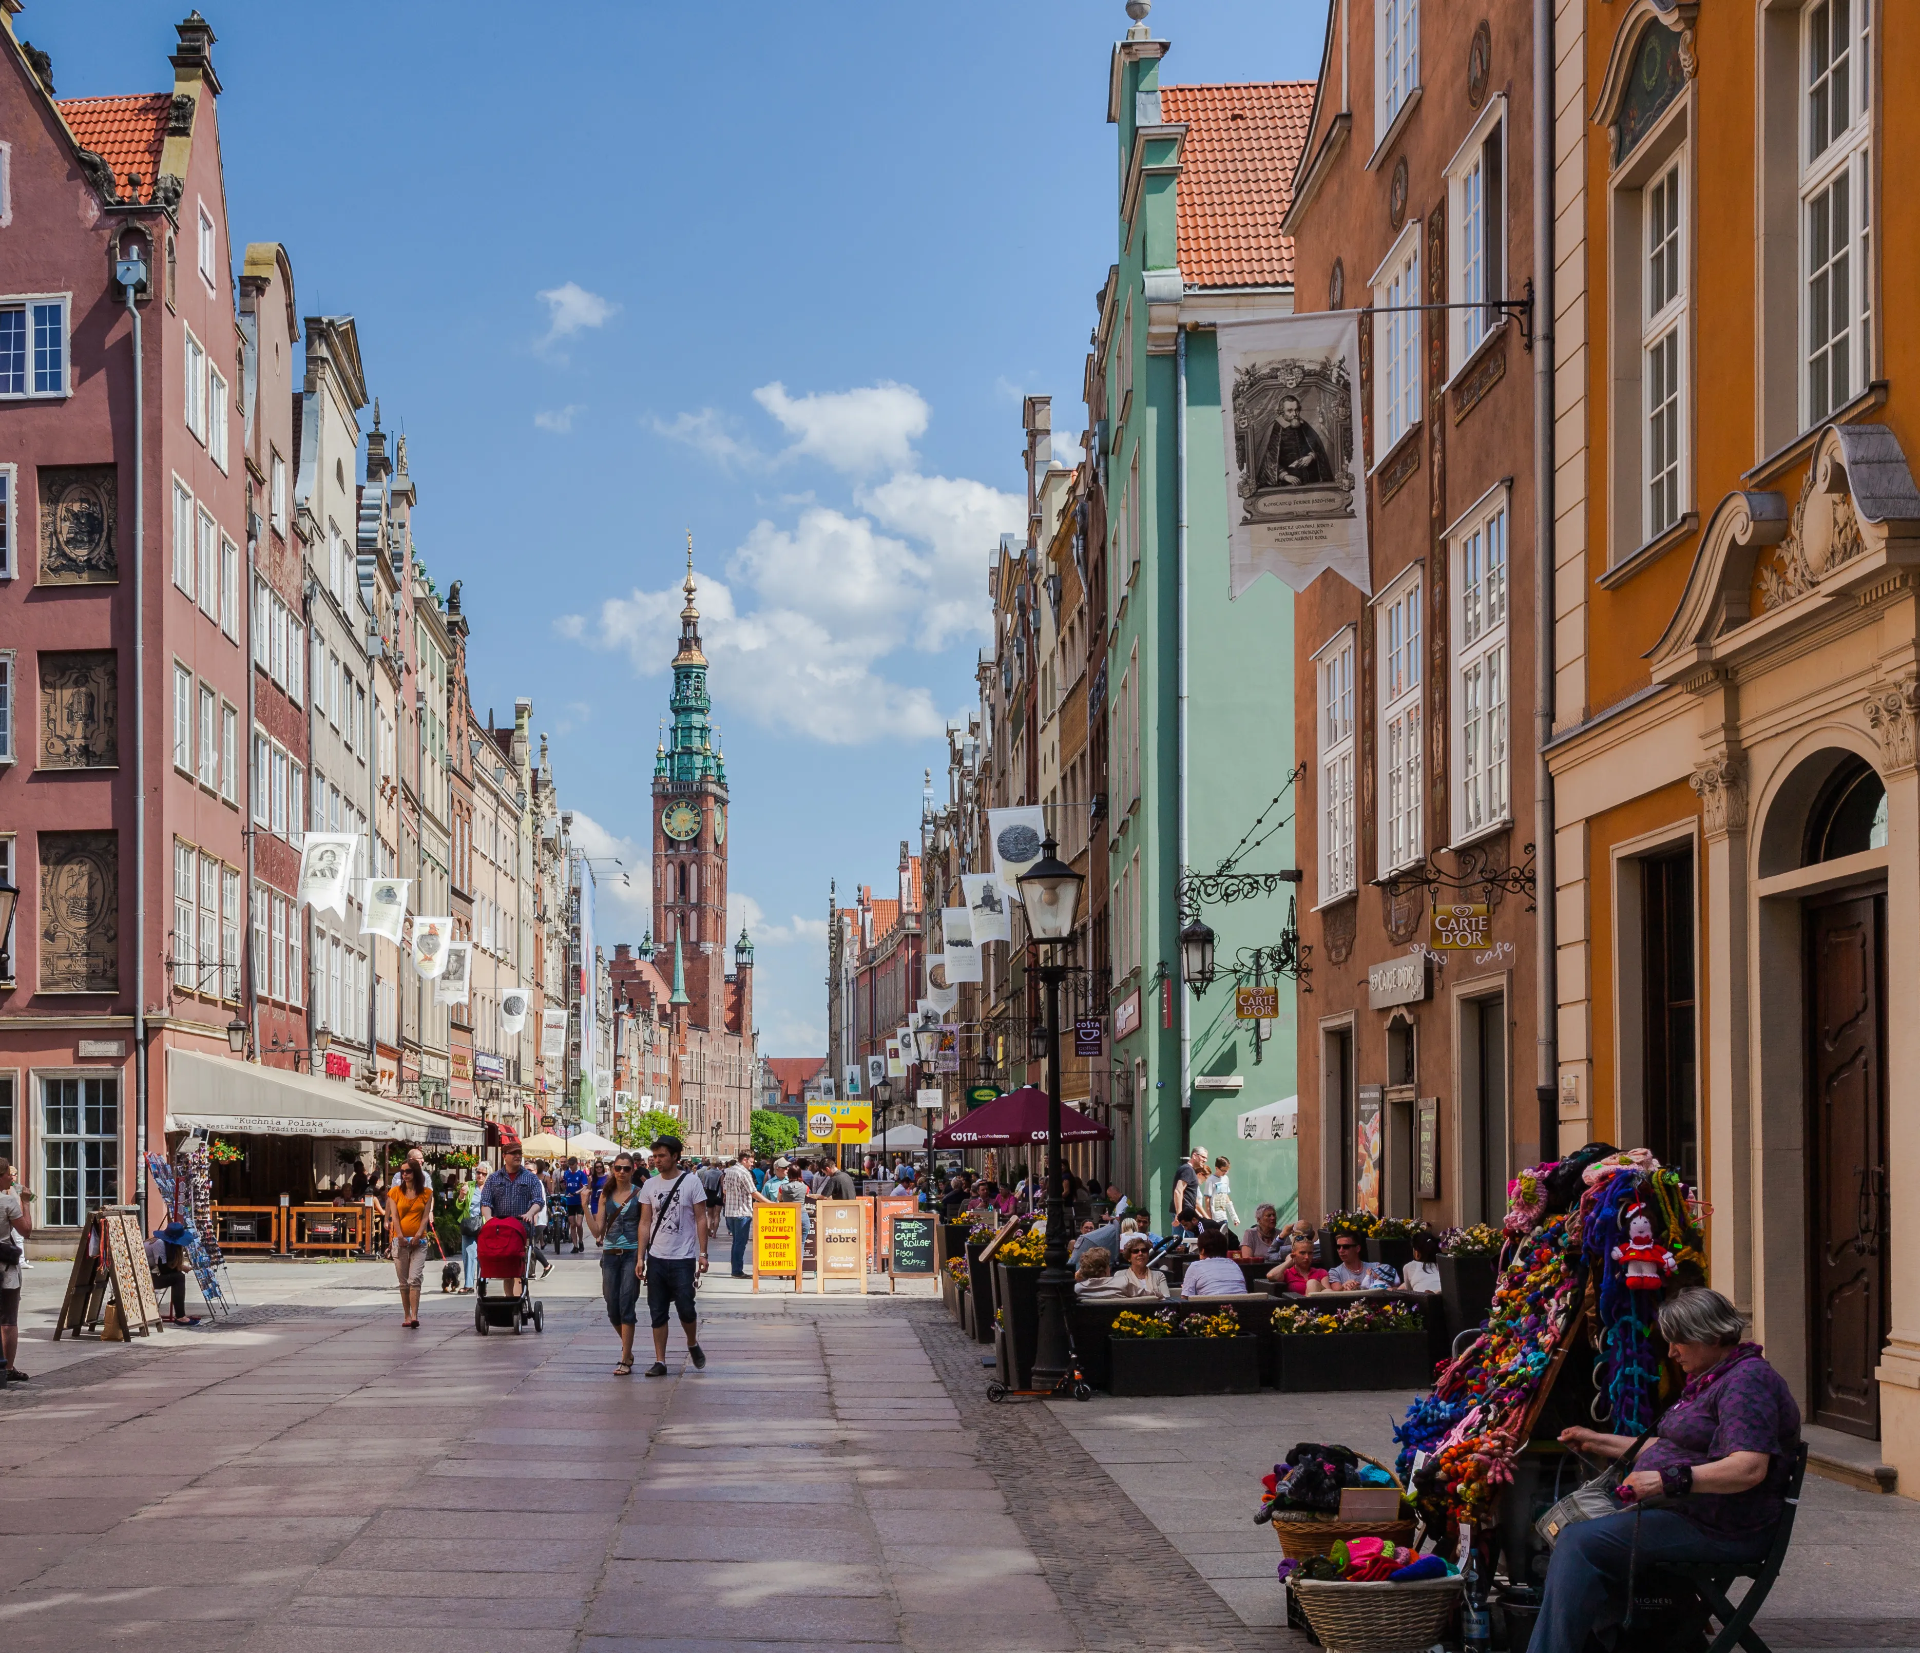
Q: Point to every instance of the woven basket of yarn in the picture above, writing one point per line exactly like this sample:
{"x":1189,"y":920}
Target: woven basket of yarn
{"x":1377,"y":1618}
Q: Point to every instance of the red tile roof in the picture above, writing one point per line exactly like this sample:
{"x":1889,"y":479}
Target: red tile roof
{"x":793,"y":1072}
{"x":1235,"y":177}
{"x":127,"y":133}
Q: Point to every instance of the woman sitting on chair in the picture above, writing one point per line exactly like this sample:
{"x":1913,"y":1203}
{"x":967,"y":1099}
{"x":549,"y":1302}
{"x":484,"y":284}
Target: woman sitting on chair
{"x":1717,"y":1465}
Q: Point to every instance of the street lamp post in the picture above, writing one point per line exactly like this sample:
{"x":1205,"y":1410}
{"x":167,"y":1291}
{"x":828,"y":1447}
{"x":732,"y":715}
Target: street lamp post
{"x":1050,"y":890}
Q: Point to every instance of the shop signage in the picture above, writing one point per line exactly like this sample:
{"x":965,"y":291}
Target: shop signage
{"x":911,"y":1249}
{"x":1126,"y":1016}
{"x":1256,"y":1004}
{"x":1398,"y":981}
{"x":776,"y":1243}
{"x":489,"y":1067}
{"x":338,"y":1066}
{"x":1088,"y":1037}
{"x":930,"y":1097}
{"x":1462,"y":929}
{"x":463,"y":1064}
{"x":852,"y":1121}
{"x":819,"y":1122}
{"x":1426,"y":1132}
{"x":841,"y":1230}
{"x":102,"y":1047}
{"x":978,"y":1096}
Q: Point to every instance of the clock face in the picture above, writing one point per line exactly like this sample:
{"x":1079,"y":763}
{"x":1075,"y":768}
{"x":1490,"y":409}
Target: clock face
{"x":720,"y":824}
{"x":681,"y":820}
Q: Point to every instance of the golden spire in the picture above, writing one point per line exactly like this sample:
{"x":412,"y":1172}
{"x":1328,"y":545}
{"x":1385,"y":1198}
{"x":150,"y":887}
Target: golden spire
{"x":689,"y":612}
{"x":690,"y":652}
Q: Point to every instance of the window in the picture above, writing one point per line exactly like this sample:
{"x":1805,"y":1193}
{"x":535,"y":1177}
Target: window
{"x":1338,"y":873}
{"x":296,"y":658}
{"x":209,"y":563}
{"x":331,"y":694}
{"x":262,"y":624}
{"x":1399,"y":36}
{"x":79,"y":1149}
{"x":33,"y":347}
{"x":1397,"y":341}
{"x":277,"y":493}
{"x":277,"y":640}
{"x":1480,"y":792}
{"x":207,"y":976}
{"x":296,"y":805}
{"x":359,"y":725}
{"x":10,"y":873}
{"x":262,"y":902}
{"x":296,"y":955}
{"x":229,"y":753}
{"x":6,"y":707}
{"x":1834,"y":201}
{"x":262,"y":764}
{"x":182,"y":537}
{"x":230,"y":588}
{"x":1133,"y":517}
{"x":229,"y":933}
{"x":185,"y":930}
{"x":330,"y":1012}
{"x":209,"y":770}
{"x":217,"y":417}
{"x":279,"y":792}
{"x":1477,"y":196}
{"x":182,"y":718}
{"x":196,"y":386}
{"x":279,"y":954}
{"x":207,"y":249}
{"x":9,"y":480}
{"x":1400,"y":768}
{"x":1665,"y":301}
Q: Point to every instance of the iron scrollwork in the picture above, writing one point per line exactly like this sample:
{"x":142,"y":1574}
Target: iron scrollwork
{"x":1476,"y":877}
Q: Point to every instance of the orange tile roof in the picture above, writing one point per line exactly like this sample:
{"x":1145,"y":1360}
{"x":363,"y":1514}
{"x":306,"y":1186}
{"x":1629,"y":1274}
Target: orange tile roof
{"x":793,"y":1072}
{"x":127,"y":133}
{"x":1235,"y":178}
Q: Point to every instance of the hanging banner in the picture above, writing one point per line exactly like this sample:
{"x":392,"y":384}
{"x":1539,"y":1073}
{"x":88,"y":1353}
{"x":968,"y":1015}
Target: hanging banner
{"x":430,"y":939}
{"x":853,"y":1079}
{"x":909,"y":1045}
{"x":553,"y":1034}
{"x":876,"y":1070}
{"x":386,"y":910}
{"x":961,"y":963}
{"x":1464,"y":928}
{"x":943,"y":999}
{"x":962,"y":957}
{"x":455,"y":979}
{"x":1297,"y":501}
{"x":896,"y":1061}
{"x":1017,"y":836}
{"x":926,"y":1023}
{"x":986,"y":908}
{"x":946,"y":1050}
{"x":513,"y":1010}
{"x":325,"y":865}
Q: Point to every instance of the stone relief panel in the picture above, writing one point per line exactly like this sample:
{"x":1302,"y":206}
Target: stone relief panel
{"x":79,"y":521}
{"x":79,"y":912}
{"x":79,"y":710}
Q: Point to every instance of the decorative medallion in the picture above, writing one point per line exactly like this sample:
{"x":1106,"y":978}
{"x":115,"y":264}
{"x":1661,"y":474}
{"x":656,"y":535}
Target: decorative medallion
{"x":79,"y":710}
{"x":1337,"y":285}
{"x":1825,"y":534}
{"x":1404,"y":910}
{"x":79,"y":912}
{"x":1336,"y":930}
{"x":78,"y":517}
{"x":1479,"y":64}
{"x":1477,"y":381}
{"x":1397,"y":195}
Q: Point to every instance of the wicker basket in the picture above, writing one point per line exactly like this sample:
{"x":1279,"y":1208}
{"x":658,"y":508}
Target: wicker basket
{"x":1301,"y":1539}
{"x":1377,"y":1618}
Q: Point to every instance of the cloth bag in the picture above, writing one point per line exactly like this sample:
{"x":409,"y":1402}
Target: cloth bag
{"x":1591,"y":1499}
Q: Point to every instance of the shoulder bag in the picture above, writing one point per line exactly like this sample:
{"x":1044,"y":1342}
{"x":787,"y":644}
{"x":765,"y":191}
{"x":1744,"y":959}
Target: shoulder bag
{"x":1591,"y":1499}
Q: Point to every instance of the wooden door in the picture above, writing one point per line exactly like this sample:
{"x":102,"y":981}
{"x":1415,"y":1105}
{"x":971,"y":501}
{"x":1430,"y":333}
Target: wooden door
{"x":1847,"y":1161}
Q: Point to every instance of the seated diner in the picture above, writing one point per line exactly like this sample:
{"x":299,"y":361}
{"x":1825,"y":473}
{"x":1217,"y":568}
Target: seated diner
{"x":1354,"y":1273}
{"x":1216,"y":1274}
{"x":1264,"y":1239}
{"x":1296,"y":1271}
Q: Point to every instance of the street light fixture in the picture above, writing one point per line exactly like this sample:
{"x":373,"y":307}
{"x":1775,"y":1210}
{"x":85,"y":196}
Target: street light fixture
{"x":323,"y":1039}
{"x":1050,"y":891}
{"x":236,"y":1036}
{"x":1196,"y":956}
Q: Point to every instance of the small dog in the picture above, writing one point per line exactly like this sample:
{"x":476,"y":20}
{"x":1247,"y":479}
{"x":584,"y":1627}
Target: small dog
{"x":450,"y":1276}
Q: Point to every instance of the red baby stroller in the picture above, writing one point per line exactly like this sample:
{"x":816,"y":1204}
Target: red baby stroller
{"x":505,"y":1251}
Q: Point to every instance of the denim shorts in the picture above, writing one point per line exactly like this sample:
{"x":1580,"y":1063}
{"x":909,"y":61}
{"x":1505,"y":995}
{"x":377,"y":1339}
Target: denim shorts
{"x":620,"y":1286}
{"x":670,"y":1284}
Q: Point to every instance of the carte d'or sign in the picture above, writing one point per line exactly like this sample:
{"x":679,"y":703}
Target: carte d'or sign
{"x":1461,"y":929}
{"x":1256,"y":1004}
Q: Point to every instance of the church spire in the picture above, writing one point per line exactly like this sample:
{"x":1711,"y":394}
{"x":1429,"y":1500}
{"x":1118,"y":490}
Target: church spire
{"x":679,"y":976}
{"x":688,"y":753}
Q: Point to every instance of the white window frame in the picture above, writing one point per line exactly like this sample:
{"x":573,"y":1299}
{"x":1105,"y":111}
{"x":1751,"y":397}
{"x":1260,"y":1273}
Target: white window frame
{"x":9,"y":498}
{"x":183,"y":536}
{"x":229,"y":751}
{"x":1480,"y":550}
{"x":216,"y":416}
{"x":229,"y":587}
{"x":1397,"y":68}
{"x":1477,"y":233}
{"x":207,"y":562}
{"x":1846,"y":158}
{"x":262,"y":946}
{"x":194,"y":363}
{"x":207,"y":734}
{"x":229,"y":933}
{"x":31,"y":306}
{"x":1335,"y":681}
{"x":1664,"y":356}
{"x":209,"y":247}
{"x":9,"y":871}
{"x":206,"y":978}
{"x":258,"y":777}
{"x":277,"y":494}
{"x":1400,"y":635}
{"x":279,"y":953}
{"x":186,"y":895}
{"x":183,"y":715}
{"x":1397,"y":389}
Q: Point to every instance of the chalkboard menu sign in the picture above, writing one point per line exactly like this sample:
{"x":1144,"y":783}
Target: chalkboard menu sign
{"x":913,"y":1245}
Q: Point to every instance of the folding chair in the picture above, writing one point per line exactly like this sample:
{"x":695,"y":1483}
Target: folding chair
{"x":1711,"y":1580}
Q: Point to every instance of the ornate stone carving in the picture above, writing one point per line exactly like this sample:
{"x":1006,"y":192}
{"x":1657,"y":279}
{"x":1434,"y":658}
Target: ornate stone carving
{"x":166,"y":191}
{"x":1397,"y":195}
{"x":1721,"y":785}
{"x":79,"y":512}
{"x":1337,"y":285}
{"x":1337,"y":927}
{"x":96,"y":171}
{"x":1825,"y":534}
{"x":1891,"y":715}
{"x":1404,"y":908}
{"x":79,"y":710}
{"x":1478,"y":380}
{"x":79,"y":912}
{"x":180,"y":115}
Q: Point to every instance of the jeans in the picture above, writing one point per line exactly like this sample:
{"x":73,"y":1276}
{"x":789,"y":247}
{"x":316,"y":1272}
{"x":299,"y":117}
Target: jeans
{"x":620,"y":1286}
{"x":742,"y":1230}
{"x":1587,"y":1580}
{"x":469,"y":1262}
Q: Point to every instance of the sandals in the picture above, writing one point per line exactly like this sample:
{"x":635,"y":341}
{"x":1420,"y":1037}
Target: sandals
{"x":623,"y":1369}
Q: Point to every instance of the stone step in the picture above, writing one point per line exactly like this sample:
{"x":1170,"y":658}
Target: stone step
{"x":1848,"y":1459}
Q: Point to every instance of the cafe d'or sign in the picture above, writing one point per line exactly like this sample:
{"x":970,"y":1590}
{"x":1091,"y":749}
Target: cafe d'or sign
{"x":1398,"y":981}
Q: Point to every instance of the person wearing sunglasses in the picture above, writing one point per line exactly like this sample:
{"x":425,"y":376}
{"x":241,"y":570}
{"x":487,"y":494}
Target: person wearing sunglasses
{"x":615,"y":1226}
{"x":1354,"y":1273}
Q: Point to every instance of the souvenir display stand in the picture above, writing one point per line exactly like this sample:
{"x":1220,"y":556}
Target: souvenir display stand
{"x":110,"y":1291}
{"x":186,"y":1184}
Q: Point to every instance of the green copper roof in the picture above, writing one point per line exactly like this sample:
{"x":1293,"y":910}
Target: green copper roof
{"x":679,"y":977}
{"x":689,"y":754}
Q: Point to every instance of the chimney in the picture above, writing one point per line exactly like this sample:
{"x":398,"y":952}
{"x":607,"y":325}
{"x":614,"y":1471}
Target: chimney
{"x":194,"y":60}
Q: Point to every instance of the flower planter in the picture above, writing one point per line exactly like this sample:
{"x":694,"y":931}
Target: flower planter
{"x":950,"y":1240}
{"x":1466,"y":1289}
{"x":1017,"y":1295}
{"x":950,"y":1290}
{"x":1184,"y":1365}
{"x":1395,"y":1252}
{"x":1315,"y":1361}
{"x":980,"y":1293}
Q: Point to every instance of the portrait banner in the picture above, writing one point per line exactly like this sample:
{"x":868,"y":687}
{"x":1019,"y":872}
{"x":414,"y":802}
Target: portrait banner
{"x":1296,"y":487}
{"x":854,"y":1085}
{"x":431,"y":937}
{"x":876,"y":1069}
{"x":943,"y":999}
{"x":386,"y":910}
{"x":325,"y":865}
{"x":1017,"y":836}
{"x":986,"y":907}
{"x":513,"y":1010}
{"x":456,"y":976}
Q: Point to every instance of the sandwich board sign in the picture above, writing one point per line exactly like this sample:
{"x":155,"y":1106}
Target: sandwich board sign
{"x":840,"y":1227}
{"x":776,"y":1243}
{"x":910,"y":1248}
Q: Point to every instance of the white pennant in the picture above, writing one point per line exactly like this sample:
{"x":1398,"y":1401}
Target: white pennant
{"x":942,"y":999}
{"x":430,"y":939}
{"x":987,"y":907}
{"x":1018,"y":836}
{"x":326,"y":863}
{"x":513,"y":1010}
{"x":386,"y":908}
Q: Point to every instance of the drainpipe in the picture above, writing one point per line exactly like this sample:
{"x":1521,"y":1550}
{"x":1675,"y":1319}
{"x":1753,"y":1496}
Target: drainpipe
{"x":1180,"y":500}
{"x":140,"y":1082}
{"x":1546,"y":884}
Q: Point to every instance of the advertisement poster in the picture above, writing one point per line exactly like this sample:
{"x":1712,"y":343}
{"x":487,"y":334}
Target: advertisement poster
{"x":1366,"y":1150}
{"x":841,"y":1227}
{"x":776,"y":1243}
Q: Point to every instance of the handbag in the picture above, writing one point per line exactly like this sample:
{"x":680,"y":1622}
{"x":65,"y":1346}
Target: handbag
{"x":1591,"y":1499}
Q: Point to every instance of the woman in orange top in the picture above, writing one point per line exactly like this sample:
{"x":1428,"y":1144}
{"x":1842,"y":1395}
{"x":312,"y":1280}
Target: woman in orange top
{"x":410,"y":1221}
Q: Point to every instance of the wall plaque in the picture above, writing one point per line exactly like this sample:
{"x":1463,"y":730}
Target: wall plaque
{"x":79,"y":912}
{"x":1398,"y":981}
{"x":79,"y":518}
{"x":80,"y":710}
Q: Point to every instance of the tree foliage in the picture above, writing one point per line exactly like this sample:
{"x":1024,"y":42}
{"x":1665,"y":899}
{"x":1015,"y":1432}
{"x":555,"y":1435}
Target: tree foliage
{"x":773,"y":1133}
{"x":637,"y":1130}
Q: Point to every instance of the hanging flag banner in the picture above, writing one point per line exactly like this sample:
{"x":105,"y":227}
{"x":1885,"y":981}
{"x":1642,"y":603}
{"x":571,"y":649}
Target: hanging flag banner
{"x":926,"y":1020}
{"x":876,"y":1069}
{"x":896,"y":1061}
{"x":1017,"y":836}
{"x":934,"y":965}
{"x":962,"y":957}
{"x":430,"y":938}
{"x":1297,"y":501}
{"x":325,"y":865}
{"x":553,"y":1034}
{"x":986,"y":907}
{"x":386,"y":908}
{"x":853,"y":1079}
{"x":943,"y":999}
{"x":455,"y":979}
{"x":909,"y":1044}
{"x":946,"y":1050}
{"x":513,"y":1010}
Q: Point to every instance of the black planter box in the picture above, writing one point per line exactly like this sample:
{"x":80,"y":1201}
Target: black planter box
{"x":951,"y":1292}
{"x":1311,"y":1362}
{"x":980,"y":1293}
{"x":1018,"y":1292}
{"x":950,"y":1240}
{"x":1466,"y":1288}
{"x":1184,"y":1365}
{"x":1395,"y":1252}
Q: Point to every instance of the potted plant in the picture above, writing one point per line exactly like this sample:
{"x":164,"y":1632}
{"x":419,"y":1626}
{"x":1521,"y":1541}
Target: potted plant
{"x":1391,"y":1241}
{"x":980,"y":1284}
{"x":953,"y":1285}
{"x":1016,"y":1283}
{"x":1469,"y":1264}
{"x":1167,"y":1353}
{"x":1367,"y":1345}
{"x":1357,"y":1223}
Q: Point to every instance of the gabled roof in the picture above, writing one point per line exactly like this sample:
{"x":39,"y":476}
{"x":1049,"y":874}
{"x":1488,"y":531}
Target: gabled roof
{"x":791,"y":1073}
{"x":1236,"y":172}
{"x":127,"y":133}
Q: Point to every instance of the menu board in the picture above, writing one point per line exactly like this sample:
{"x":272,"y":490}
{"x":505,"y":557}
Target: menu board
{"x":776,"y":1243}
{"x":912,"y":1251}
{"x":841,"y":1230}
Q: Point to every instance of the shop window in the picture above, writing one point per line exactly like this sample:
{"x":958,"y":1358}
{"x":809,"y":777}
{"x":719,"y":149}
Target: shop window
{"x":79,"y":1148}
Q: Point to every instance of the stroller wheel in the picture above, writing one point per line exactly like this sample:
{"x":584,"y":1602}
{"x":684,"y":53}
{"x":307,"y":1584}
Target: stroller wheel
{"x":539,"y":1317}
{"x":519,"y":1324}
{"x":479,"y":1318}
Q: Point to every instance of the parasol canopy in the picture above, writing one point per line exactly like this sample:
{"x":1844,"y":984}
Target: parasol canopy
{"x":586,"y":1142}
{"x":1019,"y":1117}
{"x":542,"y":1145}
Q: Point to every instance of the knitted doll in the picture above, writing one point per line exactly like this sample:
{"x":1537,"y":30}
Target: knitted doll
{"x":1648,"y":1262}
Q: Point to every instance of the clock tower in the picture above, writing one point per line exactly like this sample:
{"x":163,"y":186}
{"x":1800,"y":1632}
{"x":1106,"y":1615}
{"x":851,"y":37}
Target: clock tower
{"x":690,"y":830}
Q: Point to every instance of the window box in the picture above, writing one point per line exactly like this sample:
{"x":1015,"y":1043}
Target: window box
{"x":1312,"y":1362}
{"x":1184,"y":1365}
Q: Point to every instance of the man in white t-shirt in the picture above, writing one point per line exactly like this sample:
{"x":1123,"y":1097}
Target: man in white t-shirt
{"x":15,"y":1228}
{"x":673,"y":1248}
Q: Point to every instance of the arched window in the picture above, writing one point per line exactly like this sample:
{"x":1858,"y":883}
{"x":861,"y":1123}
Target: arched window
{"x":1850,"y":815}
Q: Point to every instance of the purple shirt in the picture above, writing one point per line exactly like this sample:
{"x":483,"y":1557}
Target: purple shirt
{"x":1739,"y":1405}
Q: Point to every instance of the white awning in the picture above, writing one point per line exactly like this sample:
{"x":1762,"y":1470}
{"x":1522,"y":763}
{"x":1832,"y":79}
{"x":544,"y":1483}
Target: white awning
{"x":211,"y":1093}
{"x":1271,"y":1123}
{"x":905,"y":1139}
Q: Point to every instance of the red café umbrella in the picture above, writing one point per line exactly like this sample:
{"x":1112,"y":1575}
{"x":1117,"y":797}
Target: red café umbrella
{"x":1018,"y":1117}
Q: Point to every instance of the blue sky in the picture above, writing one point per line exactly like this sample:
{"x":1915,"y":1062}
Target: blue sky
{"x":776,"y":274}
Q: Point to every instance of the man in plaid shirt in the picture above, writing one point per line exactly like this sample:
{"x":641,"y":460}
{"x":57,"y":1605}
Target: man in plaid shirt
{"x":737,"y":1197}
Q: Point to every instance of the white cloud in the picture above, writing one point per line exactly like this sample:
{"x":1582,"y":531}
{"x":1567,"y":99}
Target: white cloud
{"x":855,"y":431}
{"x":744,"y":910}
{"x":961,"y":523}
{"x":558,"y":420}
{"x":708,"y":432}
{"x":623,"y":895}
{"x":570,"y":625}
{"x":572,"y":309}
